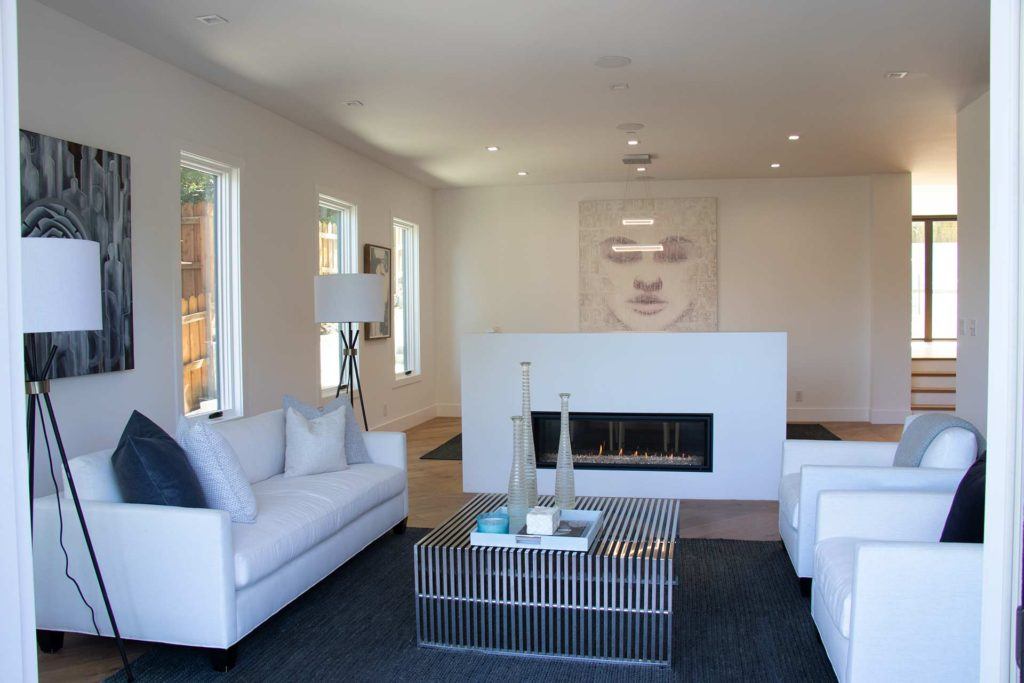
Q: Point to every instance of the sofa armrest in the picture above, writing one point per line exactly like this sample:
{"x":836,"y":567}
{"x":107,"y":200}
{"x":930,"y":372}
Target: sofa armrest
{"x":883,"y":515}
{"x":916,"y":612}
{"x":387,"y":448}
{"x":169,"y":571}
{"x":797,"y":453}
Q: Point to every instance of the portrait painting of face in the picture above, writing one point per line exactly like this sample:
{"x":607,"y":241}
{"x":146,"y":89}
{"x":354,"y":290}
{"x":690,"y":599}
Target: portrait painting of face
{"x":657,"y":272}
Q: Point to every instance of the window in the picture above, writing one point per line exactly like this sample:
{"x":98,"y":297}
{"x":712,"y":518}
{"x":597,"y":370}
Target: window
{"x":337,"y":245}
{"x":933,"y":277}
{"x":211,"y":355}
{"x":407,"y":299}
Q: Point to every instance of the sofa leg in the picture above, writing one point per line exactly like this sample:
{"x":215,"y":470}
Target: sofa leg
{"x":50,"y":641}
{"x":400,"y":527}
{"x":223,"y":660}
{"x":805,"y":587}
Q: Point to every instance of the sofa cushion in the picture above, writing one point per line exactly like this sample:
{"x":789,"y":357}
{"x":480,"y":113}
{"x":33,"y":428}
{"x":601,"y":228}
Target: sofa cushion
{"x":94,"y":477}
{"x":152,"y":469}
{"x":218,"y":470}
{"x":919,"y":435}
{"x":313,"y":446}
{"x":789,"y":499}
{"x":833,"y":579}
{"x":355,"y":446}
{"x":965,"y":522}
{"x":299,"y":512}
{"x":258,"y":442}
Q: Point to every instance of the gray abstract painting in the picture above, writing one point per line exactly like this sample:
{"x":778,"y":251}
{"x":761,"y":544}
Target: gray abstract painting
{"x":73,"y":191}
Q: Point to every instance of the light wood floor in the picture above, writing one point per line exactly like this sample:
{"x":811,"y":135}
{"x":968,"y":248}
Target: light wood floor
{"x":435,"y":492}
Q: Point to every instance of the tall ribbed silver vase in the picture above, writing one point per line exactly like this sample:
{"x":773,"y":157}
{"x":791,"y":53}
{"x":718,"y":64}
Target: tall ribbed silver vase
{"x":528,"y":448}
{"x":565,"y":484}
{"x":518,"y":486}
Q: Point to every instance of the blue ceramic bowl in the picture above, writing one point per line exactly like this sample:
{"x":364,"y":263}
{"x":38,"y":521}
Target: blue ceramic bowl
{"x":492,"y":522}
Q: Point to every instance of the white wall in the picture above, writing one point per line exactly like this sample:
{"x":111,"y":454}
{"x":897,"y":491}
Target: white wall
{"x":17,"y":599}
{"x":794,"y":256}
{"x":84,"y":86}
{"x":889,"y":281}
{"x":972,"y":141}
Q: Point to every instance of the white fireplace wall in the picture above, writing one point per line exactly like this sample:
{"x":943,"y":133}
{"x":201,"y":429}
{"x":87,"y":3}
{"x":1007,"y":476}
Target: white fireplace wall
{"x":639,"y":373}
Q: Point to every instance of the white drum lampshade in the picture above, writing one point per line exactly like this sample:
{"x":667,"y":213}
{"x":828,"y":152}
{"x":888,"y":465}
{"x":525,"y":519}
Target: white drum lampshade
{"x":350,"y":298}
{"x":60,"y":285}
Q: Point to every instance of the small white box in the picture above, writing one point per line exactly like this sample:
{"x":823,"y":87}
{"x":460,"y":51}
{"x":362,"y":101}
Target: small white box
{"x":542,"y":521}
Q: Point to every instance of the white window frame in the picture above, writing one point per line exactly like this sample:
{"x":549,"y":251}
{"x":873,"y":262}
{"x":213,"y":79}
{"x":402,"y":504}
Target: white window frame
{"x":351,"y":266}
{"x":411,"y":261}
{"x":228,"y":263}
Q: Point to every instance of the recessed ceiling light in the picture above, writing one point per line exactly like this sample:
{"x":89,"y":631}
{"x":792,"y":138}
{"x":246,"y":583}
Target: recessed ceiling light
{"x":619,"y":86}
{"x":353,"y":103}
{"x":493,"y":148}
{"x":641,"y":169}
{"x":612,"y":62}
{"x":776,"y":165}
{"x":522,"y":173}
{"x":632,"y":140}
{"x":212,"y":19}
{"x":794,"y":136}
{"x":897,"y":75}
{"x":630,"y":126}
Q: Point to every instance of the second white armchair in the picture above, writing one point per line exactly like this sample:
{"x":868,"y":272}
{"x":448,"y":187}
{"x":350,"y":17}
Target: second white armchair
{"x":811,"y":467}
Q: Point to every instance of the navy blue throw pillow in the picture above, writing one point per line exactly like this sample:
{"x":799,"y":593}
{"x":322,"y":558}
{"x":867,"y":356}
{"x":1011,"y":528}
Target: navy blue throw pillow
{"x":152,"y":469}
{"x":965,"y":522}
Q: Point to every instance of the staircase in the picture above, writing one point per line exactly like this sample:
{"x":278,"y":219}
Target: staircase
{"x":933,"y":384}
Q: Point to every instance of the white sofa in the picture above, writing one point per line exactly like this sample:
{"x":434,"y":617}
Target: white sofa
{"x":810,"y":467}
{"x":192,"y":577}
{"x":890,"y":602}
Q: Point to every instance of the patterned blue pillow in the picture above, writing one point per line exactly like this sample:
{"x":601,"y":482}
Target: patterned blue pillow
{"x":355,"y":447}
{"x":219,"y":472}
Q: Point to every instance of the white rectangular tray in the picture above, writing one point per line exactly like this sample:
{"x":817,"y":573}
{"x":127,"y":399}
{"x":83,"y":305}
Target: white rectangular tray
{"x":575,"y":543}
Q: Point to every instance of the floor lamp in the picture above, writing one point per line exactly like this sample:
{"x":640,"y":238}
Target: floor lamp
{"x":351,"y":298}
{"x":60,"y":293}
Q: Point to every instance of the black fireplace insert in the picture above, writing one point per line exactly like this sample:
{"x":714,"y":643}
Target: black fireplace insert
{"x":630,"y":441}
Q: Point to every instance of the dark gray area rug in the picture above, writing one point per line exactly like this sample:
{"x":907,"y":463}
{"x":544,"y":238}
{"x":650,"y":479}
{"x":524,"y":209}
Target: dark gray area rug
{"x":452,"y":449}
{"x":813,"y":432}
{"x":739,"y":616}
{"x":449,"y":450}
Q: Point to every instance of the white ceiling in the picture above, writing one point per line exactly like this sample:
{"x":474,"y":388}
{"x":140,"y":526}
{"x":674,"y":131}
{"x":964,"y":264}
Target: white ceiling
{"x":718,"y":83}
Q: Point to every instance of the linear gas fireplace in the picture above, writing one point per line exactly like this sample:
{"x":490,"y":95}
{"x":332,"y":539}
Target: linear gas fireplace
{"x":656,"y":441}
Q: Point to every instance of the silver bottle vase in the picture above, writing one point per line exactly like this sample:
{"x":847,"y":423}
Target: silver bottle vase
{"x":518,"y":491}
{"x":565,"y":484}
{"x":528,"y":448}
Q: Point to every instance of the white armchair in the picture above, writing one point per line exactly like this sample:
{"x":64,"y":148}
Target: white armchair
{"x":810,"y":467}
{"x":890,"y":602}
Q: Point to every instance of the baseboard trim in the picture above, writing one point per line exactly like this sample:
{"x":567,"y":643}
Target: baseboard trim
{"x":400,"y":424}
{"x":827,"y":414}
{"x":449,"y":410}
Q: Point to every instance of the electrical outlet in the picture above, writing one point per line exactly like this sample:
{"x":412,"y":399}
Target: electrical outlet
{"x":798,"y":396}
{"x":972,"y":327}
{"x":385,"y":410}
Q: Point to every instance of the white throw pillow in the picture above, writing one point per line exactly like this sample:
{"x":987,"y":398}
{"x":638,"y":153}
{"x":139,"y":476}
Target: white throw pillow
{"x":218,"y":470}
{"x":314,"y":446}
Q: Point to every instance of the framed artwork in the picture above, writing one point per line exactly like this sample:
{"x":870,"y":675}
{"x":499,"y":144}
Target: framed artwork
{"x":377,"y":259}
{"x":649,"y":265}
{"x":73,"y":191}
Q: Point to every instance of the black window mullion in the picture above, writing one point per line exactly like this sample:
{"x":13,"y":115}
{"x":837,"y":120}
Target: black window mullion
{"x":928,"y":245}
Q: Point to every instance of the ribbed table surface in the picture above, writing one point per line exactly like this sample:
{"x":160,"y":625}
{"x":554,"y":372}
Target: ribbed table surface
{"x":643,"y":528}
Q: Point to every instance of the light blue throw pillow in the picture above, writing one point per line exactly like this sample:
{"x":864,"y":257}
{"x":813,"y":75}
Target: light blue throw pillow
{"x":218,"y":470}
{"x":355,"y":447}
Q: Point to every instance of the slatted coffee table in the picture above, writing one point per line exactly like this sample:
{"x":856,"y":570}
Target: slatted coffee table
{"x":613,"y":602}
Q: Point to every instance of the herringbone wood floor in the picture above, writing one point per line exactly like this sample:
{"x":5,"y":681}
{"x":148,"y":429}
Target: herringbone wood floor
{"x":435,"y":492}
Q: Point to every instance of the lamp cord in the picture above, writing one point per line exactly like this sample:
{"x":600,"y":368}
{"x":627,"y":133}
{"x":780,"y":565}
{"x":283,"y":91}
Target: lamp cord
{"x":60,"y":522}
